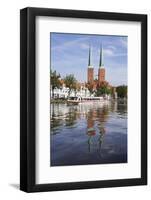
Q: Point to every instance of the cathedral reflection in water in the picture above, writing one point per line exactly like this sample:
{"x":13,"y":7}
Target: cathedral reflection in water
{"x":88,"y":133}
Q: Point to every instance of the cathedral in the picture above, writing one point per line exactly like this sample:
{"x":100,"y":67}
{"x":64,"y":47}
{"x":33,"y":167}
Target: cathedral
{"x":94,"y":83}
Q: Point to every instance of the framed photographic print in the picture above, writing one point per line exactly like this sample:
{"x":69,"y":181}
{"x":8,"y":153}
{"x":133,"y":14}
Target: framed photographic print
{"x":83,"y":99}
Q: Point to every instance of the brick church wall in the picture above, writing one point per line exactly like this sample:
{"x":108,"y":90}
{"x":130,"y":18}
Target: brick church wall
{"x":101,"y":75}
{"x":90,"y":75}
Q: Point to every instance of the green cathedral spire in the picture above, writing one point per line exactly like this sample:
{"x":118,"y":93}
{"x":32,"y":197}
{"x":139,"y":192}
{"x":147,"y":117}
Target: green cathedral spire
{"x":101,"y":57}
{"x":89,"y":61}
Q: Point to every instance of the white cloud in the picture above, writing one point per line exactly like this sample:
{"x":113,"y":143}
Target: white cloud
{"x":71,"y":43}
{"x":112,"y":47}
{"x":113,"y":53}
{"x":84,"y":46}
{"x":108,"y":52}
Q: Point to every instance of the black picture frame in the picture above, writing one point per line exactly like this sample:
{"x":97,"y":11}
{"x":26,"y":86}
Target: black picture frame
{"x":28,"y":99}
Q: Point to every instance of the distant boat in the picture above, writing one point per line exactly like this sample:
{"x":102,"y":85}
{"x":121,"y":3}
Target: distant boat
{"x":77,"y":100}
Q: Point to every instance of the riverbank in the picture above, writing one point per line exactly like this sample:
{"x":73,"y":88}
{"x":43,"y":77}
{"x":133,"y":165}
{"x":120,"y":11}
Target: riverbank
{"x":63,"y":101}
{"x":58,"y":101}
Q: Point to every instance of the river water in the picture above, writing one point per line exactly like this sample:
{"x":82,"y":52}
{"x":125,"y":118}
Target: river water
{"x":88,"y":133}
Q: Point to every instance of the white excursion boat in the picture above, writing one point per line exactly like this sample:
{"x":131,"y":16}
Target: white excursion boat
{"x":77,"y":100}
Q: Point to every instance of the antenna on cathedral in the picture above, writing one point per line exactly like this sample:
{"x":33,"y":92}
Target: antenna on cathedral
{"x":101,"y":56}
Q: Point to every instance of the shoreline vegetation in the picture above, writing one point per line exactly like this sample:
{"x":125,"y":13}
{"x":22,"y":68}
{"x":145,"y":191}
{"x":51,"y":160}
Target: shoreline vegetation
{"x":70,"y":83}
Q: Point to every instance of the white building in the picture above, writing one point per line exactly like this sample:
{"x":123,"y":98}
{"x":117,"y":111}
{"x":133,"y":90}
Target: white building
{"x":63,"y":92}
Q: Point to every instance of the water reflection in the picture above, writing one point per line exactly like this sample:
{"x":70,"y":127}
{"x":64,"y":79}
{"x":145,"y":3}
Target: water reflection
{"x":91,"y":133}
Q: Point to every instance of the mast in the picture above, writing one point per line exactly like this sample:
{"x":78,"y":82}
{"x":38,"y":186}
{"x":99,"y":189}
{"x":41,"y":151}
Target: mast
{"x":101,"y":56}
{"x":89,"y":60}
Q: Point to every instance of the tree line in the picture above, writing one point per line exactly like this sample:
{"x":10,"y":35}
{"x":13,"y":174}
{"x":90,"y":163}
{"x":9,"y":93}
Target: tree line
{"x":71,"y":83}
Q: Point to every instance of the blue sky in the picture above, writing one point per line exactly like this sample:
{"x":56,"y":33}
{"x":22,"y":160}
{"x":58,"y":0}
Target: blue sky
{"x":69,"y":55}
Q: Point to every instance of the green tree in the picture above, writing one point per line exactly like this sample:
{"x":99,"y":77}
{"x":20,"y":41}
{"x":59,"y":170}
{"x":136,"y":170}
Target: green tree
{"x":90,"y":87}
{"x":102,"y":90}
{"x":55,"y":81}
{"x":70,"y":82}
{"x":77,"y":88}
{"x":121,"y":91}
